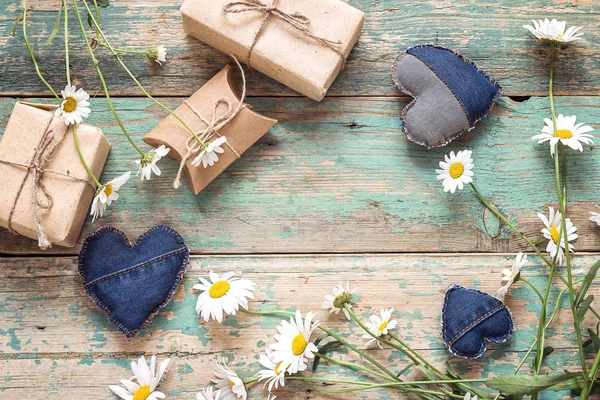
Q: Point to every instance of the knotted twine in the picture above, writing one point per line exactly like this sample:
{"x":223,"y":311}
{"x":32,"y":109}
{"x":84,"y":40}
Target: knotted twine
{"x":44,"y":151}
{"x":213,"y":126}
{"x":295,"y":20}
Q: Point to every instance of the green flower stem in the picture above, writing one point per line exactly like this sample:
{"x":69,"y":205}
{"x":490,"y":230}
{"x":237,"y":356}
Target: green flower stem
{"x":87,"y":168}
{"x":99,"y":72}
{"x":405,"y":349}
{"x":250,"y":380}
{"x":35,"y":64}
{"x":541,"y":331}
{"x":67,"y":66}
{"x":104,"y":42}
{"x":121,"y":51}
{"x":531,"y":285}
{"x":327,"y":380}
{"x":333,"y":335}
{"x":391,"y":385}
{"x":354,"y":366}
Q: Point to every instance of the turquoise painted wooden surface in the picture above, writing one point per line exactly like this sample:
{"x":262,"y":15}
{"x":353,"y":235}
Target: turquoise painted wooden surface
{"x":333,"y":193}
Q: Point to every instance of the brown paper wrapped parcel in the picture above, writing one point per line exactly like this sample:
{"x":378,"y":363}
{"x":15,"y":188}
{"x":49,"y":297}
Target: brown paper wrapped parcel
{"x":300,"y":43}
{"x":43,"y":181}
{"x":244,"y":129}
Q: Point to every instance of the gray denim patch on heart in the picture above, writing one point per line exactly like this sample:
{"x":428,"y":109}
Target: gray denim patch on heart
{"x":450,"y":94}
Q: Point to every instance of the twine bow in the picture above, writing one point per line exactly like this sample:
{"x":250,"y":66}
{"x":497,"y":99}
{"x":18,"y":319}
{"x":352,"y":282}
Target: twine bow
{"x":216,"y":122}
{"x":44,"y":151}
{"x":295,"y":20}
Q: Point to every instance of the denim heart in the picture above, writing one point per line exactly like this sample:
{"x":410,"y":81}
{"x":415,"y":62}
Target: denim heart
{"x":131,"y":283}
{"x":471,"y":318}
{"x":450,"y":94}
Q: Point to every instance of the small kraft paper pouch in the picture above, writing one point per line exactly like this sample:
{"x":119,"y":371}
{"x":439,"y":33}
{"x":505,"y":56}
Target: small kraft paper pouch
{"x":302,"y":44}
{"x":214,"y":111}
{"x":46,"y":192}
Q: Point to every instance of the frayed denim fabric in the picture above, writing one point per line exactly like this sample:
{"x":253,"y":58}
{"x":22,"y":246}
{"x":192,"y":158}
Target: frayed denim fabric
{"x":131,"y":283}
{"x":470,"y":319}
{"x":450,"y":94}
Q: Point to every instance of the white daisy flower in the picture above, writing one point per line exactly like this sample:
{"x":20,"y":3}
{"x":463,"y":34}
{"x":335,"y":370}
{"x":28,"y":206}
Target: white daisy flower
{"x":468,"y":396}
{"x":511,"y":274}
{"x":229,"y":383}
{"x":567,"y":132}
{"x":75,"y":105}
{"x":148,"y":162}
{"x":158,"y":54}
{"x":379,"y":325}
{"x":142,"y":385}
{"x":273,"y":373}
{"x":553,"y":234}
{"x":271,"y":396}
{"x":456,"y":170}
{"x":208,"y":394}
{"x":294,"y":348}
{"x":335,"y":302}
{"x":595,"y":217}
{"x":106,"y":195}
{"x":222,"y":295}
{"x":554,"y":31}
{"x":209,"y":156}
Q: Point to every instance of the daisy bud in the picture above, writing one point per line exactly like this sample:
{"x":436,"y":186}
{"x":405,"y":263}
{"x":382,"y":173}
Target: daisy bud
{"x":158,"y":54}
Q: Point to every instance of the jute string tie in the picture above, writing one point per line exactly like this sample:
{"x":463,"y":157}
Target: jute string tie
{"x":44,"y":151}
{"x":296,"y":20}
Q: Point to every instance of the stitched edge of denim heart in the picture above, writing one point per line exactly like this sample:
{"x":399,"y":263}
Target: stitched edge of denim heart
{"x":412,"y":103}
{"x":178,"y":278}
{"x":485,"y":339}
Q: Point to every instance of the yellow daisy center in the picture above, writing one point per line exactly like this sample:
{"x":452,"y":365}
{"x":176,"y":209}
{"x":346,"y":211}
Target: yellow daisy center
{"x":231,"y":384}
{"x":554,"y":233}
{"x":564,"y":133}
{"x":456,"y":170}
{"x":142,"y":393}
{"x":70,"y":104}
{"x":108,"y":189}
{"x":383,"y":325}
{"x":219,"y":289}
{"x":299,"y":344}
{"x":277,"y":370}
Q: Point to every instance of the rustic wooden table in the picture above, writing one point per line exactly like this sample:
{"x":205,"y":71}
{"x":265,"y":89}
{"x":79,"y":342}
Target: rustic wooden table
{"x":333,"y":193}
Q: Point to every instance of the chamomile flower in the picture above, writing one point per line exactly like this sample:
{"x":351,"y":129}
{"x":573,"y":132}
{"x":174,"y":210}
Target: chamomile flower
{"x":222,"y":295}
{"x":294,"y":348}
{"x":595,"y":217}
{"x":468,"y":396}
{"x":552,"y":232}
{"x":208,"y":393}
{"x":158,"y":54}
{"x":106,"y":195}
{"x":379,"y":325}
{"x":509,"y":275}
{"x":341,"y":296}
{"x":456,"y":170}
{"x":75,"y":105}
{"x":143,"y":383}
{"x":229,"y":383}
{"x":208,"y":156}
{"x":567,"y":132}
{"x":554,"y":31}
{"x":148,"y":162}
{"x":273,"y":373}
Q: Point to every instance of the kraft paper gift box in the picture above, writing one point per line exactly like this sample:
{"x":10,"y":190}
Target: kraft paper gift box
{"x":241,"y":132}
{"x":36,"y":143}
{"x":300,"y":43}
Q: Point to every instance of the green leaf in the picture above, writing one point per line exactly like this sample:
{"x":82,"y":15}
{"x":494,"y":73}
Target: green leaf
{"x":428,"y":373}
{"x":584,"y":306}
{"x":594,"y":340}
{"x":56,"y":27}
{"x":587,"y":282}
{"x":326,"y":348}
{"x":320,"y":339}
{"x":521,"y":385}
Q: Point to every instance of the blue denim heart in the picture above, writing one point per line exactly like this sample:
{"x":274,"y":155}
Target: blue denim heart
{"x":450,"y":94}
{"x":471,"y":318}
{"x":131,"y":283}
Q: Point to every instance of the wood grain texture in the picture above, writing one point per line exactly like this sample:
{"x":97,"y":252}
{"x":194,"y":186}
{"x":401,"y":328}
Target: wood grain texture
{"x":489,"y":33}
{"x":340,"y":177}
{"x":52,"y":336}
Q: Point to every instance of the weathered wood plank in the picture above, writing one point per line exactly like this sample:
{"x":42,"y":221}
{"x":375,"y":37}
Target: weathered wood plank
{"x":340,"y":177}
{"x":53,"y":339}
{"x":44,"y":309}
{"x":488,"y":32}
